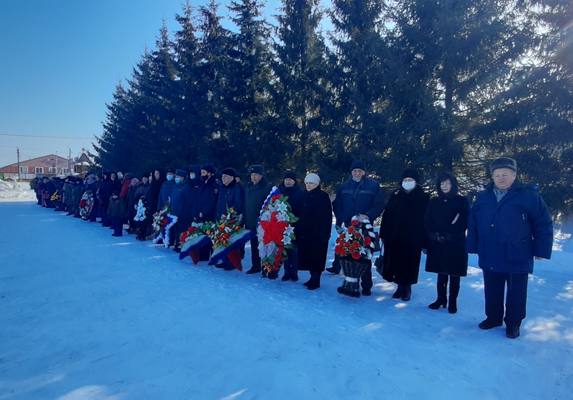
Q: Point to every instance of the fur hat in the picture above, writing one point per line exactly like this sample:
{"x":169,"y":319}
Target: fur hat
{"x":290,"y":175}
{"x":181,"y":172}
{"x":411,"y":173}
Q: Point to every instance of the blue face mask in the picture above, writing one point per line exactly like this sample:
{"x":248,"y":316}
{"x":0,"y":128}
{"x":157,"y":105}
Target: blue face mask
{"x":169,"y":177}
{"x":178,"y":179}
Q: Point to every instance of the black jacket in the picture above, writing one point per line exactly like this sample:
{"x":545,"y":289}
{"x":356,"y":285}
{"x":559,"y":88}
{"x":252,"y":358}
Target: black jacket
{"x":255,"y":196}
{"x":230,"y":196}
{"x":314,"y":229}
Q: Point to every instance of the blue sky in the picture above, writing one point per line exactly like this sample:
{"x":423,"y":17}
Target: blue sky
{"x":60,"y":62}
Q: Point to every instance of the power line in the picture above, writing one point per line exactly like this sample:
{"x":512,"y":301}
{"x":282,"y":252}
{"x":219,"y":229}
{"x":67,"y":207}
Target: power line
{"x":48,"y":137}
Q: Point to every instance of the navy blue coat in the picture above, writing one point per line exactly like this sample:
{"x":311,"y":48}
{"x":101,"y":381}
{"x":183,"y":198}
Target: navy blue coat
{"x":230,"y":197}
{"x":353,"y":198}
{"x":507,"y":235}
{"x":182,"y":203}
{"x":165,"y":194}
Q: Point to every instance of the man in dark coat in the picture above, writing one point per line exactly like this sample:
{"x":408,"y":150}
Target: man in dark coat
{"x":181,"y":206}
{"x":230,"y":194}
{"x":314,"y":230}
{"x":295,"y":195}
{"x":255,"y":194}
{"x":154,"y":189}
{"x":403,"y":233}
{"x":166,"y":189}
{"x":103,"y":195}
{"x":359,"y":195}
{"x":509,"y":226}
{"x":446,"y":222}
{"x":208,"y":192}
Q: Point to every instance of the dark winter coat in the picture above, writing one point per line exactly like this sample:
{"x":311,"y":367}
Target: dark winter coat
{"x":295,"y":196}
{"x":507,"y":234}
{"x":153,"y":194}
{"x":207,"y":203}
{"x":165,"y":194}
{"x":230,"y":196}
{"x":116,"y":207}
{"x":314,"y":230}
{"x":404,"y":236}
{"x":353,"y":198}
{"x":104,"y":193}
{"x":255,"y":196}
{"x":446,"y":222}
{"x":182,"y":203}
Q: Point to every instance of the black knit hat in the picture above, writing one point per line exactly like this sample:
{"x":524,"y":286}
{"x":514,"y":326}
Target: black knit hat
{"x":503,"y":162}
{"x":290,"y":175}
{"x":411,"y":173}
{"x":357,"y":165}
{"x":229,"y":171}
{"x":256,"y":169}
{"x":169,"y":171}
{"x":209,"y":168}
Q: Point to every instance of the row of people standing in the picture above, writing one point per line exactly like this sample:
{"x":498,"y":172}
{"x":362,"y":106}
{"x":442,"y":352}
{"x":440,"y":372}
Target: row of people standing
{"x":507,"y":226}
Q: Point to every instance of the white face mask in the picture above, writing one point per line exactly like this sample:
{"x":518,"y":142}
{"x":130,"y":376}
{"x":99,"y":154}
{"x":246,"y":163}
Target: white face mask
{"x":170,"y":177}
{"x":408,"y":185}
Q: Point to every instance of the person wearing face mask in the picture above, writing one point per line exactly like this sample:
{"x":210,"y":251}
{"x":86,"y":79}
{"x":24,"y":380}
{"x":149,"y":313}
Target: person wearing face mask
{"x":181,"y":206}
{"x":402,"y":231}
{"x":255,"y":194}
{"x":358,"y":196}
{"x":314,"y":230}
{"x":446,"y":222}
{"x":509,"y":227}
{"x":166,"y":189}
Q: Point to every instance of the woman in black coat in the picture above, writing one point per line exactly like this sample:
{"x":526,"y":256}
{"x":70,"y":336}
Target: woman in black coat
{"x":402,"y":231}
{"x":295,"y":195}
{"x":154,"y":189}
{"x":446,"y":222}
{"x":314,"y":230}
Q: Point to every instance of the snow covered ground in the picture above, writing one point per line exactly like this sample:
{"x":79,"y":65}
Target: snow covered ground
{"x":87,"y":316}
{"x":16,"y":191}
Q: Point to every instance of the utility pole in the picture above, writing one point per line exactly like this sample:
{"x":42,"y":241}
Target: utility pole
{"x":18,"y":158}
{"x":69,"y":161}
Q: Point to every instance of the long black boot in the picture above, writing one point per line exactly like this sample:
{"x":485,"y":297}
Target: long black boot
{"x":454,"y":291}
{"x":441,"y":301}
{"x":406,"y":293}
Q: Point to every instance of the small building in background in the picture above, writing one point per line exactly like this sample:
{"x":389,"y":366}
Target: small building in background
{"x":50,"y":165}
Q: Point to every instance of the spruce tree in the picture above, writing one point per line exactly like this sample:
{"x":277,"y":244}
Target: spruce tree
{"x":301,"y":87}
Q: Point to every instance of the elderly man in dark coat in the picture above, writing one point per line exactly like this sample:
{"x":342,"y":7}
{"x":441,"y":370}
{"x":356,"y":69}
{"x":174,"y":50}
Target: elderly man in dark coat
{"x":255,"y":194}
{"x":359,"y":195}
{"x":509,"y":226}
{"x":403,"y":233}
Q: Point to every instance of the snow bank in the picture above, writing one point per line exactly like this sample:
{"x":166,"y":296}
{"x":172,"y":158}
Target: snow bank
{"x":16,"y":191}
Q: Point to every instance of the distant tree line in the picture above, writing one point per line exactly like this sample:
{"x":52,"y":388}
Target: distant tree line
{"x":432,"y":84}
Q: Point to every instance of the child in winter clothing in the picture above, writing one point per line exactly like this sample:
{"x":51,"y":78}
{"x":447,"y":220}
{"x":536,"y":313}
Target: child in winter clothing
{"x":116,"y":213}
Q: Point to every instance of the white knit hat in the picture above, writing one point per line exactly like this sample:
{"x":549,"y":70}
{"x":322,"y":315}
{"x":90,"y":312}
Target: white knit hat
{"x":312,"y":178}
